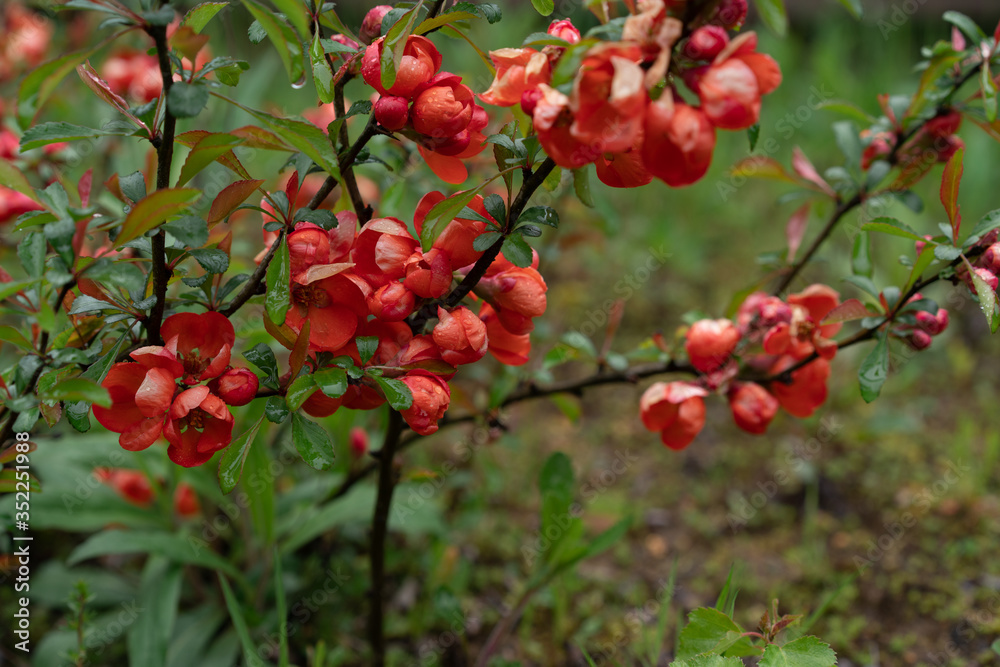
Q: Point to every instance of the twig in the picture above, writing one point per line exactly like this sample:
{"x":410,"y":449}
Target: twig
{"x":380,"y":521}
{"x":506,"y":624}
{"x":255,"y":280}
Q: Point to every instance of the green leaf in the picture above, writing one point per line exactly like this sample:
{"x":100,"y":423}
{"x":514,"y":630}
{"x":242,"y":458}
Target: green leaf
{"x":517,"y":250}
{"x":989,"y":88}
{"x":987,"y":299}
{"x":366,"y":347}
{"x":186,"y":100}
{"x":198,"y":17}
{"x":496,"y":208}
{"x":581,"y":185}
{"x":276,"y":409}
{"x":152,"y":211}
{"x":855,"y":7}
{"x":485,"y":241}
{"x":966,"y":25}
{"x":295,"y":12}
{"x":542,"y":215}
{"x":861,"y":257}
{"x":802,"y":652}
{"x":331,"y":381}
{"x":395,"y":43}
{"x":444,"y":212}
{"x":299,"y":391}
{"x":277,"y":301}
{"x":261,"y":356}
{"x":78,"y":389}
{"x":708,"y":661}
{"x":396,"y":392}
{"x":772,"y":12}
{"x":208,"y":149}
{"x":190,"y":230}
{"x":874,"y":369}
{"x":556,"y":483}
{"x":50,"y":133}
{"x":847,"y":108}
{"x":443,"y":19}
{"x":924,"y":260}
{"x":173,"y":546}
{"x":133,"y":186}
{"x":753,"y":134}
{"x":322,"y":76}
{"x":986,"y":224}
{"x":313,"y":442}
{"x":159,"y":595}
{"x":31,"y":252}
{"x":846,"y":134}
{"x":250,"y":657}
{"x":544,"y":7}
{"x":892,"y":226}
{"x":212,"y":260}
{"x":946,"y":253}
{"x":235,"y":455}
{"x":284,"y":39}
{"x":9,"y":334}
{"x":709,"y":631}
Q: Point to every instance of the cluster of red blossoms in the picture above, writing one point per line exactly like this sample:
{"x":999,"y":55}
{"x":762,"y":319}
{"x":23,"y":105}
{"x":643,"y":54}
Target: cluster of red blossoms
{"x":181,"y":390}
{"x":135,"y":488}
{"x":433,"y":108}
{"x":616,"y":113}
{"x":770,"y":336}
{"x":348,"y":283}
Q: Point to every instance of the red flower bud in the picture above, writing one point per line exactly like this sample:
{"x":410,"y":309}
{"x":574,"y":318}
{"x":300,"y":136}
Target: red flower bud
{"x":991,"y":258}
{"x":359,"y":442}
{"x":444,"y":108}
{"x":710,"y":343}
{"x":460,"y":335}
{"x":564,"y":29}
{"x":753,"y":407}
{"x":131,"y":485}
{"x":919,"y":340}
{"x":237,"y":386}
{"x":706,"y":42}
{"x":944,"y":125}
{"x":392,"y":112}
{"x":392,"y":302}
{"x":679,"y":141}
{"x":730,"y":14}
{"x":371,"y":26}
{"x":431,"y":396}
{"x":186,"y":503}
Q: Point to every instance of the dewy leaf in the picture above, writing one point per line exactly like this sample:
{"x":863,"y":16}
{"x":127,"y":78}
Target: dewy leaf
{"x":772,"y":12}
{"x":261,"y":356}
{"x":50,"y":133}
{"x":517,"y":251}
{"x":313,"y":442}
{"x":295,"y":12}
{"x":153,"y":211}
{"x":581,"y":185}
{"x":231,"y":463}
{"x":950,"y":181}
{"x":284,"y":39}
{"x":396,"y":392}
{"x":278,"y":298}
{"x":987,"y":299}
{"x":874,"y":369}
{"x":802,"y":652}
{"x":208,"y":149}
{"x":133,"y":186}
{"x":331,"y":381}
{"x":190,"y":230}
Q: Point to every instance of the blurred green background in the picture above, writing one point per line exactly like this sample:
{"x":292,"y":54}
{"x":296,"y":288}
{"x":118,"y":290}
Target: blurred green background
{"x":803,"y":513}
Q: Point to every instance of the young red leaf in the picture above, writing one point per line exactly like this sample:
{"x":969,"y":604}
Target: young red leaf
{"x":957,"y":39}
{"x":188,"y":42}
{"x":996,"y":34}
{"x":292,"y":190}
{"x":759,"y":166}
{"x":852,"y":309}
{"x":298,"y":356}
{"x":804,"y":168}
{"x":83,"y":187}
{"x":950,"y":182}
{"x":103,"y":90}
{"x":796,"y":229}
{"x":231,"y":196}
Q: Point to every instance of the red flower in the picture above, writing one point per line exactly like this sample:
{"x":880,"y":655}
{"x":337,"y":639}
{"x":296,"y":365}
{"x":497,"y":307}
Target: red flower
{"x":131,"y":485}
{"x":431,"y":396}
{"x":676,"y":410}
{"x":609,"y":100}
{"x":392,"y":302}
{"x":13,"y":204}
{"x":443,"y":107}
{"x":507,"y":348}
{"x":730,"y":89}
{"x":335,"y":305}
{"x":201,"y":342}
{"x":624,"y":169}
{"x":710,"y":343}
{"x":517,"y":295}
{"x":803,"y":333}
{"x":392,"y":113}
{"x":428,"y":274}
{"x":140,"y":398}
{"x":553,"y":118}
{"x":198,"y":425}
{"x":381,"y":250}
{"x":808,"y":388}
{"x":679,"y":142}
{"x":420,"y":62}
{"x":457,"y":238}
{"x":518,"y":71}
{"x":460,"y":335}
{"x":753,"y":407}
{"x":706,"y":42}
{"x":133,"y":74}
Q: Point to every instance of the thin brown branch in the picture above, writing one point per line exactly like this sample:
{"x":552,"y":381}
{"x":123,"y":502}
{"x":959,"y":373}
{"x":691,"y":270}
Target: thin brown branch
{"x":256,"y":279}
{"x":380,"y":524}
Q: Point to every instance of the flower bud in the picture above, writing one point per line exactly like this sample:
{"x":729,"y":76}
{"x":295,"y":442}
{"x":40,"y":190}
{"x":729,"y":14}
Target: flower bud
{"x":359,"y":442}
{"x":529,"y":99}
{"x":919,"y":340}
{"x":991,"y":258}
{"x":392,"y":112}
{"x":131,"y":485}
{"x":753,"y":407}
{"x":730,"y":14}
{"x":706,"y":42}
{"x":987,"y":276}
{"x":460,"y":335}
{"x":443,"y":109}
{"x":676,"y":410}
{"x":392,"y":302}
{"x":564,"y":29}
{"x":710,"y":342}
{"x":431,"y":396}
{"x":186,"y":503}
{"x":944,"y":125}
{"x":237,"y":386}
{"x":371,"y":26}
